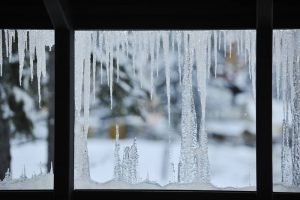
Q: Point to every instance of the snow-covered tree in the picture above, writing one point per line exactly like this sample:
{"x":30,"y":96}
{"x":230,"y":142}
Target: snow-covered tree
{"x":133,"y":157}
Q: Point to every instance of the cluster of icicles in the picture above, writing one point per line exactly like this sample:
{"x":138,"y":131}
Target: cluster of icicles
{"x":286,"y":67}
{"x":106,"y":46}
{"x":193,"y":49}
{"x":32,"y":41}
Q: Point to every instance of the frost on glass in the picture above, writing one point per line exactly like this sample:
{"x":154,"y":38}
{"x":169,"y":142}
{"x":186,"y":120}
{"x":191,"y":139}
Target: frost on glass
{"x":286,"y":92}
{"x":113,"y":62}
{"x":23,"y":111}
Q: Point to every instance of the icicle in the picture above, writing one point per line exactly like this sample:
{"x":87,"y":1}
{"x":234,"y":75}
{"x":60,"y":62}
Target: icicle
{"x":86,"y":61}
{"x":284,"y":69}
{"x":219,"y":39}
{"x":1,"y":54}
{"x":141,"y":39}
{"x":188,"y":119}
{"x":8,"y":176}
{"x":178,"y":40}
{"x":225,"y":45}
{"x":23,"y":175}
{"x":86,"y":95}
{"x":253,"y":63}
{"x":167,"y":66}
{"x":208,"y":52}
{"x":215,"y":52}
{"x":111,"y":69}
{"x":51,"y":169}
{"x":152,"y":61}
{"x":100,"y":40}
{"x":290,"y":69}
{"x":21,"y":51}
{"x":127,"y":44}
{"x":277,"y":59}
{"x":11,"y":38}
{"x":117,"y":161}
{"x":94,"y":37}
{"x":79,"y":46}
{"x":147,"y":177}
{"x":41,"y":62}
{"x":134,"y":54}
{"x":172,"y":173}
{"x":230,"y":44}
{"x":117,"y":58}
{"x":173,"y":41}
{"x":247,"y":52}
{"x":201,"y":163}
{"x":32,"y":45}
{"x":157,"y":51}
{"x":106,"y":38}
{"x":238,"y":37}
{"x":6,"y":42}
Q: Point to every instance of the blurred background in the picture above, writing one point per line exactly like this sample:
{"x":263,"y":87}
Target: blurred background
{"x":26,"y":129}
{"x":230,"y":121}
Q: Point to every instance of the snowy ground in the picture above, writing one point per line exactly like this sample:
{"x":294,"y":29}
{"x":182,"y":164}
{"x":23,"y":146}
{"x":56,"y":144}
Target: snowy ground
{"x":231,"y":166}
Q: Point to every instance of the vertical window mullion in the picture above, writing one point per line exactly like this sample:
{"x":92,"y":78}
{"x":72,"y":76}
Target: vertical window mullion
{"x":64,"y":114}
{"x":264,"y":23}
{"x":64,"y":98}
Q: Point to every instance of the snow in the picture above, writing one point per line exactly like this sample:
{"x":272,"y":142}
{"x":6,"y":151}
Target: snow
{"x":22,"y":158}
{"x":149,"y":185}
{"x":40,"y":182}
{"x":231,"y":161}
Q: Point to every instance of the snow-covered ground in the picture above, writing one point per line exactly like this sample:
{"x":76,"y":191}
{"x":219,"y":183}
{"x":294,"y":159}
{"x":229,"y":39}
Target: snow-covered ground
{"x":231,"y":166}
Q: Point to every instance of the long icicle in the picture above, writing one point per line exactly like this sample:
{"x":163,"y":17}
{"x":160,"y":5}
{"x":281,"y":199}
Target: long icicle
{"x":215,"y":52}
{"x":167,"y":70}
{"x":1,"y":53}
{"x":22,"y":36}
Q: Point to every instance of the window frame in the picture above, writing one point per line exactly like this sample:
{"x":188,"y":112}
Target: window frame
{"x":66,"y":17}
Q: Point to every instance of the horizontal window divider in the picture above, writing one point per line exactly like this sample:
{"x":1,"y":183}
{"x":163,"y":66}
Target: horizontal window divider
{"x":286,"y":195}
{"x":27,"y":194}
{"x":209,"y":195}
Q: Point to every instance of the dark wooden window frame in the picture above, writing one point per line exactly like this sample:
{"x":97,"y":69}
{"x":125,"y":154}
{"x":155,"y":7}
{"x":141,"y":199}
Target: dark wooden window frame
{"x":66,"y":16}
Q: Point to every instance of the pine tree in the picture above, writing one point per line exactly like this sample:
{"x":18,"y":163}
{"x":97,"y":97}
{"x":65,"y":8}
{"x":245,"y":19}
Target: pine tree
{"x":133,"y":156}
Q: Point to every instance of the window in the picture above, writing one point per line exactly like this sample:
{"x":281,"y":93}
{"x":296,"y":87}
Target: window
{"x":27,"y":109}
{"x":285,"y":110}
{"x":148,"y":112}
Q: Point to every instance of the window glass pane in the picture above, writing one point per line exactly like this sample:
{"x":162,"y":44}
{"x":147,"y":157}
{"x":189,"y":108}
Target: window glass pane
{"x":26,"y":109}
{"x":165,"y":110}
{"x":286,"y":99}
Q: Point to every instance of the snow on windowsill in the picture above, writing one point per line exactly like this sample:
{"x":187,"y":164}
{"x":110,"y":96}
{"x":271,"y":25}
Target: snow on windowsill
{"x":43,"y":182}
